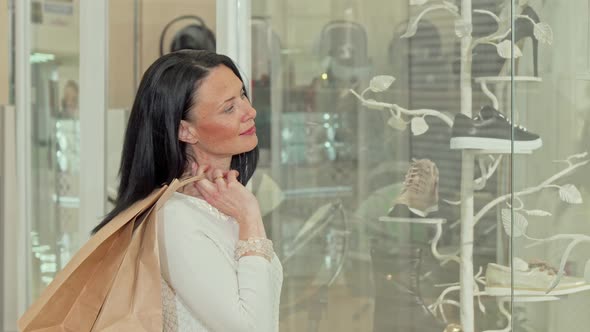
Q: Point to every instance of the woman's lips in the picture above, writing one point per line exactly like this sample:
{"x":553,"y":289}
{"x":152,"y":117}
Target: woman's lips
{"x":250,"y":131}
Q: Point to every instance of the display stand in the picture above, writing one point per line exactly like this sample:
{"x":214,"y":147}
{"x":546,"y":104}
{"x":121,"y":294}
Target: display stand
{"x":483,"y":81}
{"x":471,"y":284}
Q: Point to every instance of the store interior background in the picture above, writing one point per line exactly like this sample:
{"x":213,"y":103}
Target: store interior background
{"x":557,"y":109}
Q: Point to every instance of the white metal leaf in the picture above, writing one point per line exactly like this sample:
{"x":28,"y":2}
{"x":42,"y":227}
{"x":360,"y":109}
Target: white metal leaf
{"x":570,"y":194}
{"x":419,"y":126}
{"x":413,"y":25}
{"x":412,"y":28}
{"x":538,"y":213}
{"x":417,"y":2}
{"x":515,"y":228}
{"x":587,"y":271}
{"x":397,"y":123}
{"x":543,"y":33}
{"x":381,"y":83}
{"x":482,"y":308}
{"x":505,"y":49}
{"x":462,"y":29}
{"x":519,"y":264}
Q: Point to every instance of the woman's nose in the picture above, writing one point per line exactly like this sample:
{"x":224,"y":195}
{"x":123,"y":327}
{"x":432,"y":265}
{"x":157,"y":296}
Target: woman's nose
{"x":249,"y":112}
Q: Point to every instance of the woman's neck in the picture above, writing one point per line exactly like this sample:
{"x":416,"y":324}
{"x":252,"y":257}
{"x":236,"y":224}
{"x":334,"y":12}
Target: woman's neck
{"x":222,"y":164}
{"x":214,"y":162}
{"x":206,"y":159}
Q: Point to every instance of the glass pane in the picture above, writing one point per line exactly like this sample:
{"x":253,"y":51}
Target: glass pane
{"x":377,"y":160}
{"x":4,"y":59}
{"x":55,"y":138}
{"x":5,"y":43}
{"x":551,"y":185}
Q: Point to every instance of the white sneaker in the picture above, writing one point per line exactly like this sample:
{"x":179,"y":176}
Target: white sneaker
{"x":529,"y":280}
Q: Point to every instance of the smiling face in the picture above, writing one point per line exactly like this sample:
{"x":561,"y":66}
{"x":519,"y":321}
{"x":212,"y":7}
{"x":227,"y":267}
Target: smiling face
{"x":221,"y":122}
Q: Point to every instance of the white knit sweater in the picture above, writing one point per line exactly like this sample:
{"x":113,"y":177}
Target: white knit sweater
{"x":204,"y":288}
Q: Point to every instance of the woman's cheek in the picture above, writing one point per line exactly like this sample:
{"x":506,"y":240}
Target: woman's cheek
{"x":218,"y":131}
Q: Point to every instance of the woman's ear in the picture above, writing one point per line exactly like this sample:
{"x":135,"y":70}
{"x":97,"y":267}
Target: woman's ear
{"x":187,"y":133}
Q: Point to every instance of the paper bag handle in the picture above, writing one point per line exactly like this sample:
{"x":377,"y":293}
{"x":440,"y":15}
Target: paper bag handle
{"x":173,"y":187}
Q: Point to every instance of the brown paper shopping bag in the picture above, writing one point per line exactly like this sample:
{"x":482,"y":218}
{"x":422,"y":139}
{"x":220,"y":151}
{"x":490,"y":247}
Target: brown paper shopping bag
{"x":113,"y":281}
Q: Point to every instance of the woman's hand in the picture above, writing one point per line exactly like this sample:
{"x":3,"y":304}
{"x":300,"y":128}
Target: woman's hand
{"x":223,"y":191}
{"x":190,"y":189}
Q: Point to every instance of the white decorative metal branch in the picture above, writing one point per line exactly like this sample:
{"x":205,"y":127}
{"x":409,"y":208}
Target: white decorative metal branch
{"x":435,"y":240}
{"x":506,"y":314}
{"x":434,"y":247}
{"x":515,"y":223}
{"x":487,"y":12}
{"x":413,"y":26}
{"x":486,"y":173}
{"x":545,"y":184}
{"x":438,"y":305}
{"x":541,"y":31}
{"x":396,"y":110}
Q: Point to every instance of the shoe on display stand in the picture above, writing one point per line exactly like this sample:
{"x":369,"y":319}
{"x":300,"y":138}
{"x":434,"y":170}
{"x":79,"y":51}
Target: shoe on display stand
{"x":398,"y":301}
{"x":419,"y":195}
{"x":529,"y":280}
{"x":487,"y":62}
{"x":524,"y":28}
{"x":491,"y":130}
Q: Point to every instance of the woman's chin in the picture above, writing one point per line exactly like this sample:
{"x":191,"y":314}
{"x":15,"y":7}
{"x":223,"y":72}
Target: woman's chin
{"x":252,"y":142}
{"x":254,"y":139}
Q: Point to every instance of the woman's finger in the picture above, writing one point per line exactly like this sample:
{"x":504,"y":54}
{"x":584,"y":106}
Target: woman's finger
{"x":232,"y":176}
{"x":217,"y":174}
{"x":206,"y":188}
{"x":219,"y":180}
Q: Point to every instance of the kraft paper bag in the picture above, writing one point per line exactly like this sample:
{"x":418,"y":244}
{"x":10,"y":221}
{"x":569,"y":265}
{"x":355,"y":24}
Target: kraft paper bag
{"x":113,"y":281}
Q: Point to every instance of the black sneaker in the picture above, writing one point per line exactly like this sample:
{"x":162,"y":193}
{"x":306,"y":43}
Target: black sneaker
{"x":491,"y":130}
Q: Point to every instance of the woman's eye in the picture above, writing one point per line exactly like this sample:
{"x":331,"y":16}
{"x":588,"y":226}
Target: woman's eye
{"x":229,"y":109}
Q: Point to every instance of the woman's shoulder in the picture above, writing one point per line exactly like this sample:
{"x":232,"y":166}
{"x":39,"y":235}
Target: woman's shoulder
{"x":186,"y":220}
{"x":179,"y":204}
{"x":191,"y":213}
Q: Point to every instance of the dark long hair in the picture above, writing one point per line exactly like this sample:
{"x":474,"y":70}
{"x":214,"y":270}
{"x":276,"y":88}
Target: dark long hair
{"x":152,"y":153}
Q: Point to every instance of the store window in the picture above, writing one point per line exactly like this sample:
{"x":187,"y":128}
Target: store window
{"x":408,"y":151}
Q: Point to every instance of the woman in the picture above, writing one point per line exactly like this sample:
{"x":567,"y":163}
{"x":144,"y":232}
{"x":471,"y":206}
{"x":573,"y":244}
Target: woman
{"x":191,"y":116}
